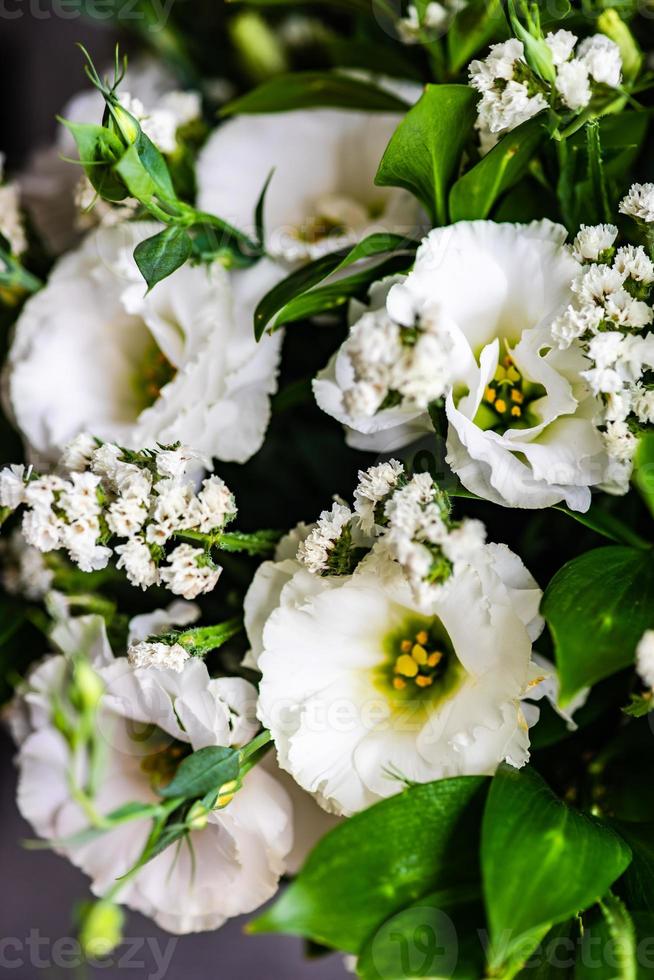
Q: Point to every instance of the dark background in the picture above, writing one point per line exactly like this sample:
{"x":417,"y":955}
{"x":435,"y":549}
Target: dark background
{"x":40,"y":68}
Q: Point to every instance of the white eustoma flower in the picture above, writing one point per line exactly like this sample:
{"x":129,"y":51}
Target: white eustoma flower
{"x":520,"y":429}
{"x":92,"y":352}
{"x":147,"y":717}
{"x":322,"y":194}
{"x":362,"y":688}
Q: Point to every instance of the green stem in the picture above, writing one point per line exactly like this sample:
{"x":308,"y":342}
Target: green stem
{"x":205,"y":638}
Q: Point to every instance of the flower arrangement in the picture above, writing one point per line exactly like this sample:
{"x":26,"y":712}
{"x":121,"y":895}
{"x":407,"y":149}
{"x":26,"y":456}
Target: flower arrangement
{"x":327,"y":539}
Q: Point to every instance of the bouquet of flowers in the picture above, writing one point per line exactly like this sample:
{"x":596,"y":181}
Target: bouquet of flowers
{"x":327,"y":537}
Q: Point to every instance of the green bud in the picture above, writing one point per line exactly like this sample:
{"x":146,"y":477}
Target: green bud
{"x":123,"y":124}
{"x":101,"y":928}
{"x":261,"y":52}
{"x":198,"y":816}
{"x":87,"y":689}
{"x":611,"y":23}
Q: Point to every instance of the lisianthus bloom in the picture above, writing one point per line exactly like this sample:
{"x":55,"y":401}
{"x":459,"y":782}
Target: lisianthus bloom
{"x":479,"y":305}
{"x":94,"y":352}
{"x":328,"y":202}
{"x":410,"y":667}
{"x":149,"y":719}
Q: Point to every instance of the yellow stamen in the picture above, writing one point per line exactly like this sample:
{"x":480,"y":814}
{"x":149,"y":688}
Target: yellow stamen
{"x":500,"y":373}
{"x":422,"y":637}
{"x":500,"y":405}
{"x":423,"y":681}
{"x":516,"y":412}
{"x":405,"y":646}
{"x":517,"y":396}
{"x":399,"y":684}
{"x":490,"y":394}
{"x":513,"y":375}
{"x":419,"y":654}
{"x":434,"y":658}
{"x":406,"y":665}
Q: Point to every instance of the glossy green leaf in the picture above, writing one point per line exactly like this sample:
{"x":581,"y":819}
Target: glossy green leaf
{"x":312,"y":89}
{"x":605,"y":524}
{"x":639,"y":878}
{"x":644,"y":469}
{"x":597,"y":608}
{"x":203,"y":771}
{"x":542,"y":861}
{"x":159,"y":256}
{"x":475,"y":193}
{"x":335,"y":294}
{"x":425,"y":151}
{"x":379,"y":861}
{"x":607,"y":950}
{"x":299,"y":281}
{"x":98,"y":150}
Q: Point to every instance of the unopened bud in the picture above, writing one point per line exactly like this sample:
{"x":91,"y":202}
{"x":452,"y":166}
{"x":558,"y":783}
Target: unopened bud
{"x":611,"y":23}
{"x":87,"y":686}
{"x":198,"y":816}
{"x":101,"y":929}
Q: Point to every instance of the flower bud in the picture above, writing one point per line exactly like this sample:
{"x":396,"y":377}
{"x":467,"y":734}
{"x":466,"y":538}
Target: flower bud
{"x":610,"y":23}
{"x":197,"y":816}
{"x":87,"y":689}
{"x":123,"y":124}
{"x":101,"y":928}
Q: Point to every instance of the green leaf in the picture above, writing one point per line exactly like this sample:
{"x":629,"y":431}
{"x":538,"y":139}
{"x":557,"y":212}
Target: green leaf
{"x":314,"y":272}
{"x":379,"y":861}
{"x":437,"y":936}
{"x":597,"y":608}
{"x":475,"y":193}
{"x":542,"y":861}
{"x":608,"y":947}
{"x":204,"y":770}
{"x":159,"y":256}
{"x":425,"y":151}
{"x":98,"y":150}
{"x":473,"y":28}
{"x":606,"y":524}
{"x":639,"y":877}
{"x":311,"y":89}
{"x":321,"y":299}
{"x":643,"y":475}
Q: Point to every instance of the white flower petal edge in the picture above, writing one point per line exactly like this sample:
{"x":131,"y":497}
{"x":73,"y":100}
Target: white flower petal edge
{"x":240,"y":854}
{"x":328,"y":202}
{"x":92,"y":352}
{"x":494,"y":290}
{"x":339,"y":727}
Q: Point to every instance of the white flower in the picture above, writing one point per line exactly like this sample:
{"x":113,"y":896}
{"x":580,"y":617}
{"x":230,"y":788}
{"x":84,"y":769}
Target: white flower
{"x":328,"y":202}
{"x":232,"y":864}
{"x":315,"y":551}
{"x":217,"y":504}
{"x":12,"y":486}
{"x":633,"y":262}
{"x":645,"y":658}
{"x":520,"y":414}
{"x":80,"y":539}
{"x":159,"y":655}
{"x":592,"y":241}
{"x":601,"y":56}
{"x":42,"y":529}
{"x":11,"y":219}
{"x":639,"y":202}
{"x":92,"y":352}
{"x":574,"y":322}
{"x":644,"y":405}
{"x":188,"y":573}
{"x":80,"y":500}
{"x":178,"y":613}
{"x":24,"y":571}
{"x":137,"y":561}
{"x":161,"y":122}
{"x":126,"y":516}
{"x":620,"y":442}
{"x":375,"y":485}
{"x":572,"y":83}
{"x":561,"y":44}
{"x":362,"y":689}
{"x":77,"y":455}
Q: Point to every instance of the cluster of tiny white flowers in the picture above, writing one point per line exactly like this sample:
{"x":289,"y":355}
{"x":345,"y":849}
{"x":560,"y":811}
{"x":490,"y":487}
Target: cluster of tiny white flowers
{"x":24,"y":570}
{"x":609,"y":320}
{"x":645,"y":658}
{"x":315,"y":551}
{"x":396,"y":365}
{"x":160,"y":655}
{"x":11,"y":220}
{"x":92,"y":210}
{"x":639,"y":202}
{"x":511,"y":93}
{"x":406,"y":518}
{"x":431,"y":23}
{"x":145,"y":498}
{"x":161,"y":123}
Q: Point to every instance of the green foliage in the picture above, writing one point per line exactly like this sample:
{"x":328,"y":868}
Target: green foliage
{"x":597,"y":608}
{"x":541,"y":862}
{"x":377,"y":862}
{"x":312,"y":89}
{"x":425,"y":151}
{"x":201,"y":772}
{"x":159,"y":256}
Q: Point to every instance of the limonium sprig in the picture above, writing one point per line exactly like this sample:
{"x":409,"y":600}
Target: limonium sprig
{"x":110,"y":502}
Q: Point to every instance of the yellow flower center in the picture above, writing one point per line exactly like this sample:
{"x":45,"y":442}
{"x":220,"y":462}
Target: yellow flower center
{"x":420,"y":662}
{"x":153,"y":373}
{"x":507,"y":399}
{"x":417,"y":663}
